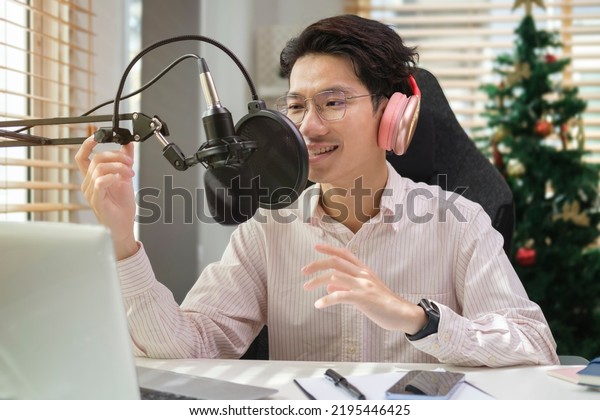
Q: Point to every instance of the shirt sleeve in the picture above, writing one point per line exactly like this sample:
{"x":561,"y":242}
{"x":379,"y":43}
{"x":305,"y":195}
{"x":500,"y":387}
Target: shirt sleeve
{"x":498,"y":324}
{"x":219,"y":317}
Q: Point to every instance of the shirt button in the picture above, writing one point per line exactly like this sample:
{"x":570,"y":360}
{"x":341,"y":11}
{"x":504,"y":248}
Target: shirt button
{"x":435,"y":346}
{"x":354,"y":249}
{"x":352,"y":350}
{"x":491,"y":360}
{"x":446,"y":338}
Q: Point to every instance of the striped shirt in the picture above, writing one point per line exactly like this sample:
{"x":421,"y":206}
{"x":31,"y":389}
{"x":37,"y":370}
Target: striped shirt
{"x":421,"y":243}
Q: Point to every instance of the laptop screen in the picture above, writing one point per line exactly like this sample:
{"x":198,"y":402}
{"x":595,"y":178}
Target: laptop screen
{"x":63,"y":331}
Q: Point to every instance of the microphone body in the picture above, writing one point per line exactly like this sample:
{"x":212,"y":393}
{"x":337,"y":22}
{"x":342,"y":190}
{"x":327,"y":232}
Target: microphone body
{"x":228,"y":181}
{"x":260,"y":162}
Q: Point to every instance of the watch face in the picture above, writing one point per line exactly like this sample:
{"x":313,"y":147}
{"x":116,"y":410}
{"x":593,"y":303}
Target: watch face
{"x":429,"y":306}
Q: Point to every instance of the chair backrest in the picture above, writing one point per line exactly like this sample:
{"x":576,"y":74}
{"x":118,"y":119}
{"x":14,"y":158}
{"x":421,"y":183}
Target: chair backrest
{"x":441,"y":153}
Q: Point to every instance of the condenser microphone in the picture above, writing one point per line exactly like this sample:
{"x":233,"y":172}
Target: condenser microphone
{"x":261,"y":162}
{"x":230,"y":193}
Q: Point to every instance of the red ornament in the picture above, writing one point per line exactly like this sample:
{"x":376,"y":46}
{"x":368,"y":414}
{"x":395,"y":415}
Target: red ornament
{"x":525,"y":257}
{"x":498,"y":158}
{"x":543,"y":128}
{"x":550,"y":58}
{"x":564,"y":137}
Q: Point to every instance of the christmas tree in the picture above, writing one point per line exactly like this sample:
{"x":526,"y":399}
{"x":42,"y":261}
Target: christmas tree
{"x":538,"y":144}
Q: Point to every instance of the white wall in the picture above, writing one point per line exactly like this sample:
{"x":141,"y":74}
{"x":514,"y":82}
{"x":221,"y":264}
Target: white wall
{"x":110,"y":47}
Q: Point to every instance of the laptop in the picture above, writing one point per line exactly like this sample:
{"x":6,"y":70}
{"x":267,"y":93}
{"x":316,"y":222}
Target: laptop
{"x":63,"y":329}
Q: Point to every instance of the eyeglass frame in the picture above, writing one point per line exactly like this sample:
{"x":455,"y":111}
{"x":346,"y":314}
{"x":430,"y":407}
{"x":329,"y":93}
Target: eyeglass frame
{"x":346,"y":98}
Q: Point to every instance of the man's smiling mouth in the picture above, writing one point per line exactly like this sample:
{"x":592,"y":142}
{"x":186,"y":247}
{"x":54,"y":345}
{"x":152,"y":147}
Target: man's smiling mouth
{"x":321,"y":150}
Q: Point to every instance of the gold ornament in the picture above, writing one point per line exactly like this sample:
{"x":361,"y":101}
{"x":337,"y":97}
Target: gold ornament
{"x":548,"y":190}
{"x":580,"y":136}
{"x":499,"y":135}
{"x":521,"y":71}
{"x":515,"y":168}
{"x":527,"y":4}
{"x":572,"y":212}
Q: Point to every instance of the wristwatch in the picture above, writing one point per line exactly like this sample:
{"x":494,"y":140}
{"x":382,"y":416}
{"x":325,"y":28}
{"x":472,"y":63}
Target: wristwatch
{"x":433,"y":316}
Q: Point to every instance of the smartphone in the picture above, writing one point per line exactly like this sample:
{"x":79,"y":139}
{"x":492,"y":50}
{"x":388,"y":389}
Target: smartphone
{"x":424,"y":384}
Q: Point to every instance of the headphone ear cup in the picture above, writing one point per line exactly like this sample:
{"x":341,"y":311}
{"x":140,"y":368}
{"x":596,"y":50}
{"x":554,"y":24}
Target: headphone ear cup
{"x":398,"y":122}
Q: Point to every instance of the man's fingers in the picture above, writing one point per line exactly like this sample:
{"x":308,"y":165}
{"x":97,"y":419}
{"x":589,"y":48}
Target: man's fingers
{"x":335,"y":298}
{"x":333,"y":263}
{"x":128,"y":150}
{"x":82,"y":157}
{"x":338,"y":252}
{"x":104,"y":168}
{"x":113,"y":156}
{"x":335,"y":279}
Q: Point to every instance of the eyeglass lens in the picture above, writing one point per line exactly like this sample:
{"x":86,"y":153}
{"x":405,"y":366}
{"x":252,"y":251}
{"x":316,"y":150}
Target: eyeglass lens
{"x":330,"y":105}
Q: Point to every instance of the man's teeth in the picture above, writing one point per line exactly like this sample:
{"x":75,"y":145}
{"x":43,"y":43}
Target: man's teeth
{"x":317,"y":152}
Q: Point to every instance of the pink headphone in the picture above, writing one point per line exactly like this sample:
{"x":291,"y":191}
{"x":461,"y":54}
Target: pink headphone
{"x":399,"y":120}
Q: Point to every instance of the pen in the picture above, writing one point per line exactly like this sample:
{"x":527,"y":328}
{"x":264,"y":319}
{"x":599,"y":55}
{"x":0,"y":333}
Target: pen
{"x":339,"y":380}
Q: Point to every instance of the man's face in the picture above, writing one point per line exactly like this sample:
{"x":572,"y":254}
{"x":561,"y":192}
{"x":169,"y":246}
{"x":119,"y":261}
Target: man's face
{"x":343,"y":150}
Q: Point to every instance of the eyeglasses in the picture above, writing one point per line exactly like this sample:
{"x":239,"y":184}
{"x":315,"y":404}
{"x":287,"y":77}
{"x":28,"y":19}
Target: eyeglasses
{"x":330,"y":105}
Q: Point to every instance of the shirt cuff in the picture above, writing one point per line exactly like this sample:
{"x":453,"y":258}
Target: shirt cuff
{"x":443,"y":343}
{"x":135,"y":273}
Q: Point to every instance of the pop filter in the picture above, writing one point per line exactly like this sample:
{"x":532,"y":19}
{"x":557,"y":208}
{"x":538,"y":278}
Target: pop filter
{"x":280,"y":163}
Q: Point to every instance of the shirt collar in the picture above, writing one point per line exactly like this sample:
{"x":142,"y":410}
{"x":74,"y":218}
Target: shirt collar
{"x":309,"y":203}
{"x":394,"y":190}
{"x":392,"y":195}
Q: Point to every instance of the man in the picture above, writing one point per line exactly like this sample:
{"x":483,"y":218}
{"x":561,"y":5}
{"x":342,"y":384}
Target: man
{"x":345,"y":275}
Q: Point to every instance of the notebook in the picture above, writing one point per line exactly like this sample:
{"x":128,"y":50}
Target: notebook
{"x":63,"y":330}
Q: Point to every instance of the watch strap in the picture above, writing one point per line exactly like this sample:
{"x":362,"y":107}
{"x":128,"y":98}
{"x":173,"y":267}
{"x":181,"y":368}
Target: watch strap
{"x":433,"y":322}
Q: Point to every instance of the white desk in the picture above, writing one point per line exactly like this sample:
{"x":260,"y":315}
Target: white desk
{"x":514,"y":383}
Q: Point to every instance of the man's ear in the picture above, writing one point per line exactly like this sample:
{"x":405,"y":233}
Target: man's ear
{"x":378,"y":112}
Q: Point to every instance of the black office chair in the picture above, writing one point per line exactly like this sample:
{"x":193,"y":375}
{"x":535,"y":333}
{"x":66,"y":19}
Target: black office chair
{"x":441,"y":153}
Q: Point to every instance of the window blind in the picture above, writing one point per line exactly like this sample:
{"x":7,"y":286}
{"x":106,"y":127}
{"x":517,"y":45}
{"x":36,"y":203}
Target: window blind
{"x":458,"y":41}
{"x":46,"y":70}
